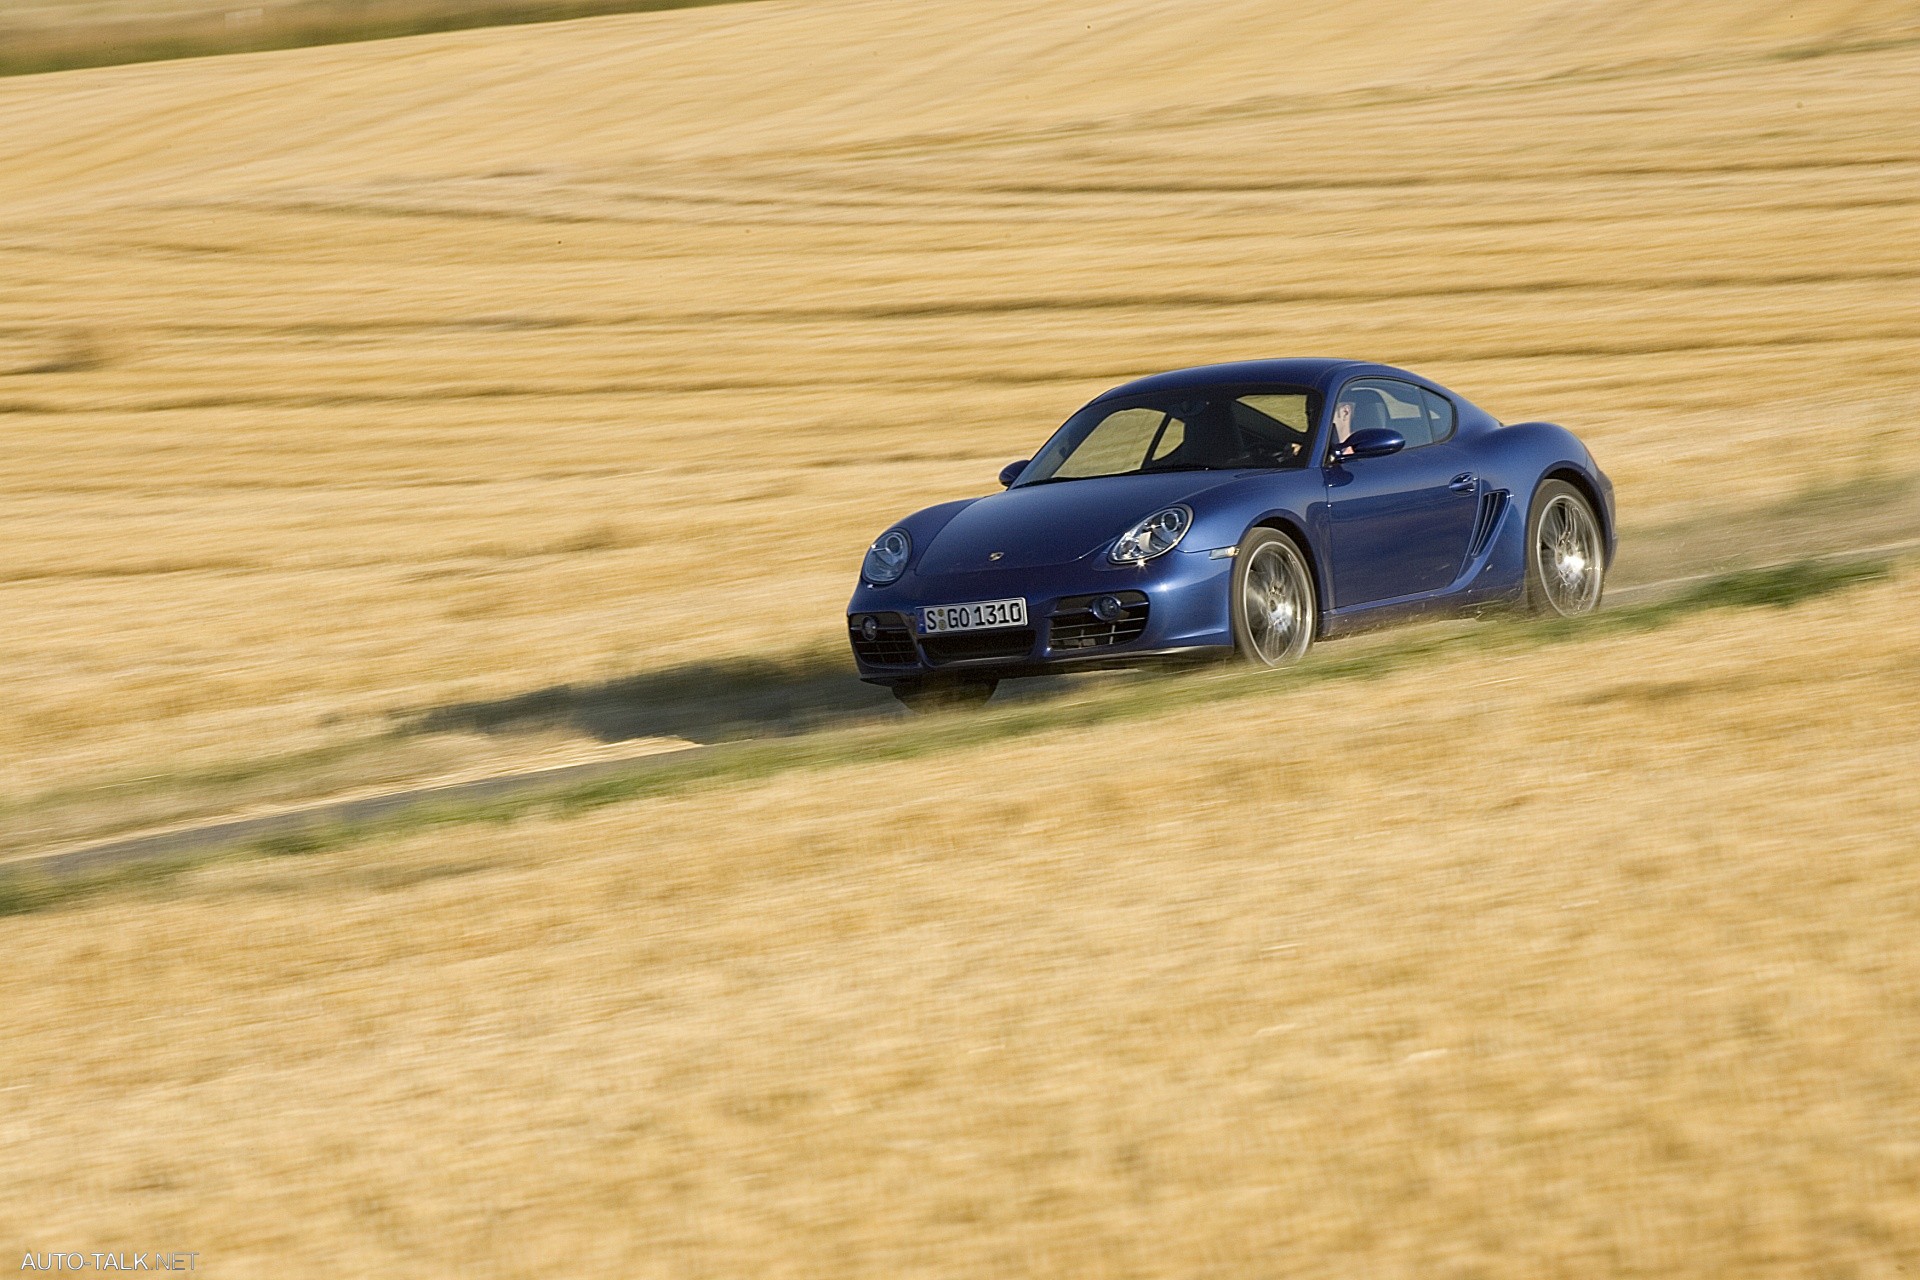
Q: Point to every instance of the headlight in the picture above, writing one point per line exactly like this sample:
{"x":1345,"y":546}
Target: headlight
{"x":887,"y":558}
{"x":1158,"y":533}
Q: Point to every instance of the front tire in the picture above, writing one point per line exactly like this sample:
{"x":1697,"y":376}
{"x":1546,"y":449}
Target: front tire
{"x":1275,"y":608}
{"x":1566,"y":560}
{"x":937,"y":693}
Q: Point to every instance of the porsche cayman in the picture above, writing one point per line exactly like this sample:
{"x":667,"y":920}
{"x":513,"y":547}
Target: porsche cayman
{"x":1244,"y":510}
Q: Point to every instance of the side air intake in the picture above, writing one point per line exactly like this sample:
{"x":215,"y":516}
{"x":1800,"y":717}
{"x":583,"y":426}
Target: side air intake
{"x":1493,"y":504}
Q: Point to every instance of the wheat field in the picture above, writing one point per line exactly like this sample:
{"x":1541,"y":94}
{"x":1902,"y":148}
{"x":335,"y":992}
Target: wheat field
{"x":362,"y":404}
{"x":1614,"y":971}
{"x":341,"y":384}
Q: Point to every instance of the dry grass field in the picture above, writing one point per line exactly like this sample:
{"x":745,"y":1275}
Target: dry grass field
{"x":1615,"y":971}
{"x":342,"y":384}
{"x":356,"y":399}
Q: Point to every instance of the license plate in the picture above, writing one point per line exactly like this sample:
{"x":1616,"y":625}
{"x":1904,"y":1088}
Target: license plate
{"x":981,"y":615}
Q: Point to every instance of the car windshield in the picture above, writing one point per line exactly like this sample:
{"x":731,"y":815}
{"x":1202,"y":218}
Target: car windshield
{"x":1206,"y":430}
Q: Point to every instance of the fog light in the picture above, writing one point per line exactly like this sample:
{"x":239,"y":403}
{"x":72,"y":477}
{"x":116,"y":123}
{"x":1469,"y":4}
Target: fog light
{"x":1109,"y":609}
{"x":870,"y":627}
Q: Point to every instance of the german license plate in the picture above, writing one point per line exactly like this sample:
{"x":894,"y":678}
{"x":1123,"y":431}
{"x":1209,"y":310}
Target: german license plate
{"x":982,"y":615}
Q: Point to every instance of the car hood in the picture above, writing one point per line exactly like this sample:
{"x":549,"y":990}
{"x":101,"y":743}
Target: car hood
{"x":1051,"y":524}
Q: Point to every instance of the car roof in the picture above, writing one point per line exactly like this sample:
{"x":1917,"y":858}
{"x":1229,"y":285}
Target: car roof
{"x":1314,"y":373}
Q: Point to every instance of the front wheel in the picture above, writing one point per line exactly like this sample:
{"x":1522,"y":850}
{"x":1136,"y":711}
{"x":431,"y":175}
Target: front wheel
{"x":1565,"y":560}
{"x":1275,"y":609}
{"x":935,"y":693}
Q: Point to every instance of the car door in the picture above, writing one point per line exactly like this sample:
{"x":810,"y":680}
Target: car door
{"x":1399,"y":525}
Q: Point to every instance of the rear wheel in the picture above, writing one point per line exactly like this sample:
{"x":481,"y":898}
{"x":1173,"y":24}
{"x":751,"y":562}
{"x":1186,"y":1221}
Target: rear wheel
{"x":1565,"y":556}
{"x":1275,"y":608}
{"x":944,"y":693}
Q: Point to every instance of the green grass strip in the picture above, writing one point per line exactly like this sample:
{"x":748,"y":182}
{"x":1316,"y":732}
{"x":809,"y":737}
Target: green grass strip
{"x":24,"y":891}
{"x":32,"y":51}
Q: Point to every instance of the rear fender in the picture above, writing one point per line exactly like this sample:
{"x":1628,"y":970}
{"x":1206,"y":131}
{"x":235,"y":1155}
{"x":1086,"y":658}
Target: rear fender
{"x":1521,"y":457}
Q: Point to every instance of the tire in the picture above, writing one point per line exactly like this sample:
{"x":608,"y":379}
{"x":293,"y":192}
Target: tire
{"x":1275,"y":608}
{"x":936,"y":693}
{"x":1566,"y":558}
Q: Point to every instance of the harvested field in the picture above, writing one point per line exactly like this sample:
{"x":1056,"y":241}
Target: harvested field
{"x":1612,"y":971}
{"x":351,"y":382}
{"x":382,"y":411}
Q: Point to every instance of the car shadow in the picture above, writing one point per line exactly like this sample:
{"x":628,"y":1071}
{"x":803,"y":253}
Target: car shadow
{"x":705,"y":702}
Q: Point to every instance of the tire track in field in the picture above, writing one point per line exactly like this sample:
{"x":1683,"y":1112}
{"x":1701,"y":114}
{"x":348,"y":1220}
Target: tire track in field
{"x":359,"y":809}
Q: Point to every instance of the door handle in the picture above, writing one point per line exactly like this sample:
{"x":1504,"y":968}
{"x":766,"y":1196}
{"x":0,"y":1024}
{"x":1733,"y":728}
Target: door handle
{"x":1465,"y":482}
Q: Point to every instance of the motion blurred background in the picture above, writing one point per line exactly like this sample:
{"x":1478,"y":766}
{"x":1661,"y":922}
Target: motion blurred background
{"x":391,"y":411}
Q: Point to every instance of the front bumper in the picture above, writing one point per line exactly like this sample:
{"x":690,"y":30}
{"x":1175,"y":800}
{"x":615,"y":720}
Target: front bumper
{"x":1176,"y":605}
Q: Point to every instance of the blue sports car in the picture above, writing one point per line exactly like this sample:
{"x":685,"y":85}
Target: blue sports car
{"x":1242,"y":509}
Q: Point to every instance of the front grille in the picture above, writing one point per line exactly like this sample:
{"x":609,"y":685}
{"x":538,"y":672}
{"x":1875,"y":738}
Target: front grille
{"x":892,"y":643}
{"x":1009,"y":642}
{"x":1073,"y":625}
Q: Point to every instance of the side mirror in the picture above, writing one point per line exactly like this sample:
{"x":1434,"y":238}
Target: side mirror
{"x":1011,"y":472}
{"x":1373,"y":442}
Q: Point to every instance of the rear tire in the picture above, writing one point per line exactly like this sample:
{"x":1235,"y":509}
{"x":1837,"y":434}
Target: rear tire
{"x":937,"y":693}
{"x":1566,"y":558}
{"x":1275,"y":608}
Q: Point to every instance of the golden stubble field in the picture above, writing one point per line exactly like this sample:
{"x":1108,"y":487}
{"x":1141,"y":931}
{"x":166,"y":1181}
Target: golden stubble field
{"x":346,"y":384}
{"x":1598,"y":960}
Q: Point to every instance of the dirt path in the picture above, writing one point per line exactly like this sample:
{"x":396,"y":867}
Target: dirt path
{"x":369,"y":807}
{"x":355,"y":809}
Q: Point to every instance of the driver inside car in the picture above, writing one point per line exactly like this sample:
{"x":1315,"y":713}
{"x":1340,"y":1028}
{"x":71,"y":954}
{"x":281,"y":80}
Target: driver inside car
{"x":1357,"y":410}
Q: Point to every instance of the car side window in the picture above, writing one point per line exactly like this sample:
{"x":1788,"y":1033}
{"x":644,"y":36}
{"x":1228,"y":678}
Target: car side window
{"x":1439,"y":416}
{"x":1386,"y":402}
